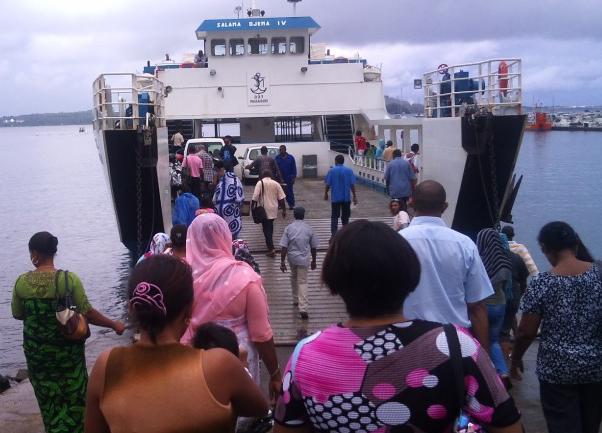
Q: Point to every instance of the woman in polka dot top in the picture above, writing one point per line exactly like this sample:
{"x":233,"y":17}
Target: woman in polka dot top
{"x":377,"y":372}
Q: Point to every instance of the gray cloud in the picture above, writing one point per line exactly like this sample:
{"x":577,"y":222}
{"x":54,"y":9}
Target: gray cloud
{"x":52,"y":51}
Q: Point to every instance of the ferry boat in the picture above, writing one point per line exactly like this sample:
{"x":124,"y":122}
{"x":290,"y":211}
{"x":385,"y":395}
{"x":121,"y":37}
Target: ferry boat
{"x":265,"y":77}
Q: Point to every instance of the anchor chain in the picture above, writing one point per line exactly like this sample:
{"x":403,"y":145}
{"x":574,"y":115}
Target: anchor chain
{"x":493,"y":167}
{"x":138,"y":202}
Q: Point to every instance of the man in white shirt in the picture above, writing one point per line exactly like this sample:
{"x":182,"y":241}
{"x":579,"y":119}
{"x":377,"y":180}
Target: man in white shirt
{"x":453,"y":281}
{"x":269,"y":194}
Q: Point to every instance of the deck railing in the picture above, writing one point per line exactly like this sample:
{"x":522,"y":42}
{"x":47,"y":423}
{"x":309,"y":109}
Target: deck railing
{"x":494,"y":84}
{"x":127,"y":101}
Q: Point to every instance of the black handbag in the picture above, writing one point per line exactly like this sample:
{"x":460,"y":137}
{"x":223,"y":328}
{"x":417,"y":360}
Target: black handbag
{"x":258,"y":212}
{"x":73,"y":324}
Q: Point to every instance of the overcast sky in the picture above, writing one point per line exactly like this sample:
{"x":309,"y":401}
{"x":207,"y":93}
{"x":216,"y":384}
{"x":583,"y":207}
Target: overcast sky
{"x":51,"y":51}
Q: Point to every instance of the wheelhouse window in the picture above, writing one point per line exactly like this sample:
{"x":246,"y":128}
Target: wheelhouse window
{"x":237,"y":47}
{"x":296,"y":45}
{"x":257,"y":46}
{"x":218,"y":47}
{"x":279,"y":45}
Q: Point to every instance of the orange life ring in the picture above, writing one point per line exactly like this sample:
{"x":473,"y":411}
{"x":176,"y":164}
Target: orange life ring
{"x":502,"y":72}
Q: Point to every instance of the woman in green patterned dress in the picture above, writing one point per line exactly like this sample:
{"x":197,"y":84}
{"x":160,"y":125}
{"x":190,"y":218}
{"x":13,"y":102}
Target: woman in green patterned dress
{"x":57,"y":367}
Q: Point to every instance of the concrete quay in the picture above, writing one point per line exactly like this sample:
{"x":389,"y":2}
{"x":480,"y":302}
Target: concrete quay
{"x":19,"y":412}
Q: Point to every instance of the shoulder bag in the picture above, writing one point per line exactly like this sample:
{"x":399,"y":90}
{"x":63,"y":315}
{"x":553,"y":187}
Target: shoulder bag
{"x":463,"y":423}
{"x":73,"y":324}
{"x":258,"y":212}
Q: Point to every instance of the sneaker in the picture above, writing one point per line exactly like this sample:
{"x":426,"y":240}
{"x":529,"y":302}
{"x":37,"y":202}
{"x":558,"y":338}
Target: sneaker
{"x":304,"y":315}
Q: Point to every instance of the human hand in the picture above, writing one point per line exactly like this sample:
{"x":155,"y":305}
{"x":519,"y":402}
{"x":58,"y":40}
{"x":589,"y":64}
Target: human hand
{"x":313,"y":265}
{"x":355,"y":200}
{"x":274,"y":386}
{"x":118,"y":327}
{"x":516,"y":368}
{"x":283,"y":266}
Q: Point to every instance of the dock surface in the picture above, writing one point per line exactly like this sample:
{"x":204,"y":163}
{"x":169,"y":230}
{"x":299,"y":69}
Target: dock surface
{"x":324,"y":309}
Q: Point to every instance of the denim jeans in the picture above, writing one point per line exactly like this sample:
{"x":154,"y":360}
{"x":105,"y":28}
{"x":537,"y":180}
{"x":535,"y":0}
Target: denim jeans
{"x":342,"y":210}
{"x":496,"y":314}
{"x":290,"y":194}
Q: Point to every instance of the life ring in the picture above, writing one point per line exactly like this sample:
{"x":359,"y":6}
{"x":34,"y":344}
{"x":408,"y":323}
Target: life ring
{"x":442,"y":68}
{"x":502,"y":73}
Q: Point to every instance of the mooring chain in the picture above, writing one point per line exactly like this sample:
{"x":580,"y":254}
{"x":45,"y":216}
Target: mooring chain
{"x":138,"y":201}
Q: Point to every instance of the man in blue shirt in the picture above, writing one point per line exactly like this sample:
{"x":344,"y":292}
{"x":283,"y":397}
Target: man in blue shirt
{"x":288,"y":170}
{"x":453,"y":281}
{"x":341,"y":181}
{"x":400,"y":179}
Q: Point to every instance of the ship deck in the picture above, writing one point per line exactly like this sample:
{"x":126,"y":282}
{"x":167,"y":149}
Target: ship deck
{"x":324,"y":308}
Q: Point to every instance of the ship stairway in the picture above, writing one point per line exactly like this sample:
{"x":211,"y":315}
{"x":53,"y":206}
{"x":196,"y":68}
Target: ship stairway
{"x":184,"y":125}
{"x":339,"y":131}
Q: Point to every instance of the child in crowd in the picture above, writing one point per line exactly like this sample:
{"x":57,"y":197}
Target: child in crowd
{"x":211,"y":335}
{"x":206,"y":205}
{"x":401,"y":219}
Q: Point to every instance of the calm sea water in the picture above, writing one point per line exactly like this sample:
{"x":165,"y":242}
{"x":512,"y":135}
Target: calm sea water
{"x":52,"y":180}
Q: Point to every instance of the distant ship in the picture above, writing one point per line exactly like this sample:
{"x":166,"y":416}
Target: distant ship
{"x":541,"y":122}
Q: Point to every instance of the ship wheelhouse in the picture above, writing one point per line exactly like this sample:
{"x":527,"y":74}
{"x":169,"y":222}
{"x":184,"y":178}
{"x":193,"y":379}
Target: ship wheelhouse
{"x":262,"y":80}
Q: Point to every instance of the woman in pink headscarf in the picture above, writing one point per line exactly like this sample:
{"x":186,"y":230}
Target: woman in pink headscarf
{"x":230,"y":293}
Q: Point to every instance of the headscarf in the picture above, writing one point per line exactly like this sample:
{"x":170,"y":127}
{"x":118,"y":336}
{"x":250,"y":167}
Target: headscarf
{"x":495,"y":255}
{"x":158,"y":245}
{"x":218,"y":277}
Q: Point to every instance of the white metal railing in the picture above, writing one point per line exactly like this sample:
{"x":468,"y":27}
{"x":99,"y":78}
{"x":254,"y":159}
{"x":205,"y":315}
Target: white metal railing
{"x":126,"y":101}
{"x":494,"y":84}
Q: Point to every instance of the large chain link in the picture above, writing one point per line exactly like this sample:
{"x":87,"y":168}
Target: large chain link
{"x":138,"y":202}
{"x":493,"y":166}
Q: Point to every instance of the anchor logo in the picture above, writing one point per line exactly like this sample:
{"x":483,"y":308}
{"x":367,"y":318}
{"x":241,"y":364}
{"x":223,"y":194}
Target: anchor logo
{"x":258,"y":87}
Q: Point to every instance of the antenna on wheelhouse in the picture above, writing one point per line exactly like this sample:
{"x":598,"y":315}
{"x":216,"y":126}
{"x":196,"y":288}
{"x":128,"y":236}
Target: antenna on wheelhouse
{"x":294,"y":2}
{"x":238,"y":10}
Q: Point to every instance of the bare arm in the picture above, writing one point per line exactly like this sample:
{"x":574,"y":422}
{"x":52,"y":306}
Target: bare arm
{"x":527,"y":332}
{"x":282,"y":205}
{"x":95,"y":317}
{"x":477,"y":313}
{"x":353,"y":193}
{"x":95,"y":421}
{"x":326,"y":192}
{"x":314,"y":253}
{"x":267,"y":353}
{"x":283,"y":252}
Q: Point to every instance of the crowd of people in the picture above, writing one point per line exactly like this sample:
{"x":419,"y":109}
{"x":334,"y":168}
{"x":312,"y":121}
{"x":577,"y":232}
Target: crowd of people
{"x":422,"y":349}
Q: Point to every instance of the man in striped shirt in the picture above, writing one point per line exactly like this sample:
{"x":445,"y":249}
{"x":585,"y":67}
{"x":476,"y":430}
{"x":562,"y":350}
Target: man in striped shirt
{"x":208,"y":172}
{"x":521,"y":250}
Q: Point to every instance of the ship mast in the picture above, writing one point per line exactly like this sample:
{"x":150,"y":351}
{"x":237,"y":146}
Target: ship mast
{"x":294,"y":2}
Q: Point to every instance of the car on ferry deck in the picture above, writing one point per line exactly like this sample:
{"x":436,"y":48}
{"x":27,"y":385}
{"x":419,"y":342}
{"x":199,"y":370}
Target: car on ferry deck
{"x":250,"y":155}
{"x":213,"y":145}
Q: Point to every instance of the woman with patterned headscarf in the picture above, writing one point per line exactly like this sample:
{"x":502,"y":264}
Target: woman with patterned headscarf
{"x":158,"y":245}
{"x":228,"y":198}
{"x":495,"y":253}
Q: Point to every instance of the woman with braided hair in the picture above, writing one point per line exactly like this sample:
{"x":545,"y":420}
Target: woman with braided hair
{"x":159,"y":385}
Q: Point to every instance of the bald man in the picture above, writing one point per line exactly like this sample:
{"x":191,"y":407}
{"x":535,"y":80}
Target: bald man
{"x":453,"y":281}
